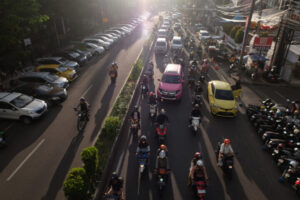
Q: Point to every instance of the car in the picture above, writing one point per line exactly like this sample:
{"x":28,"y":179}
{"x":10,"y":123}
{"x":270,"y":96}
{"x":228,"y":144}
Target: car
{"x":43,"y":78}
{"x":104,"y":38}
{"x":161,"y":46}
{"x":19,"y":106}
{"x":198,"y":27}
{"x":94,"y":49}
{"x":45,"y":92}
{"x":176,"y":44}
{"x":115,"y":32}
{"x":98,"y":42}
{"x":68,"y":73}
{"x":162,"y":33}
{"x":59,"y":61}
{"x":221,"y":99}
{"x":171,"y":84}
{"x":110,"y":36}
{"x":73,"y":55}
{"x":177,"y":26}
{"x":85,"y":53}
{"x":204,"y":35}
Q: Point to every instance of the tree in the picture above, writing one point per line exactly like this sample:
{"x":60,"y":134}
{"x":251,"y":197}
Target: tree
{"x":89,"y":157}
{"x":18,"y":19}
{"x":239,"y":35}
{"x":75,"y":185}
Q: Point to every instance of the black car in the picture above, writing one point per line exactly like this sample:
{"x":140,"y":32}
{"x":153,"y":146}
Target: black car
{"x":73,"y":55}
{"x":41,"y":91}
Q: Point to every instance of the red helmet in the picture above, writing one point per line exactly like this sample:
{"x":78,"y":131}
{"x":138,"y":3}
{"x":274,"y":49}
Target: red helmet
{"x":297,"y":182}
{"x":163,"y":147}
{"x":198,"y":155}
{"x":150,"y":94}
{"x":226,"y":141}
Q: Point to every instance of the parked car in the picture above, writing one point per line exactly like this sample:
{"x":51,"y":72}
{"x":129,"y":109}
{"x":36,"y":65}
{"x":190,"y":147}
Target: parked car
{"x":86,"y":53}
{"x":58,"y":61}
{"x":104,"y":38}
{"x":162,"y":33}
{"x":110,"y":36}
{"x":21,"y":107}
{"x":98,"y":42}
{"x":161,"y":46}
{"x":221,"y":99}
{"x":115,"y":32}
{"x":73,"y":55}
{"x":176,"y":43}
{"x":45,"y":92}
{"x":68,"y":73}
{"x":94,"y":49}
{"x":43,"y":78}
{"x":170,"y":86}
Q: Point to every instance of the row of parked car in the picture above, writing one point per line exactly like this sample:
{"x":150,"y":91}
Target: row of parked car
{"x":30,"y":92}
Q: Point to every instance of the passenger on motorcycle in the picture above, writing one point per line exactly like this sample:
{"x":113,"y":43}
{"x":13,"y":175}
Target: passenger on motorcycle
{"x":225,"y":151}
{"x":161,"y":161}
{"x":198,"y":172}
{"x":162,"y":118}
{"x":115,"y":186}
{"x":143,"y":146}
{"x":152,"y":98}
{"x":196,"y":112}
{"x":84,"y":107}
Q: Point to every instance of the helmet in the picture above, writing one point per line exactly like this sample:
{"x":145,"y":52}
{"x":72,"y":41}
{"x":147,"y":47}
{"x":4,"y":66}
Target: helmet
{"x":297,"y":182}
{"x":296,"y":112}
{"x":273,"y":108}
{"x":135,"y":107}
{"x":143,"y":137}
{"x":278,"y":113}
{"x":151,"y":63}
{"x":262,"y":107}
{"x":150,"y":94}
{"x":280,"y":145}
{"x":162,"y":111}
{"x":296,"y":131}
{"x":226,"y":141}
{"x":163,"y":147}
{"x":196,"y":105}
{"x":114,"y":175}
{"x":162,"y":154}
{"x":200,"y":163}
{"x":82,"y":99}
{"x":198,"y":155}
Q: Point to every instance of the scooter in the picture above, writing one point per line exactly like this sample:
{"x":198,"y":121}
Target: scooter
{"x":134,"y":127}
{"x":113,"y":76}
{"x":162,"y":176}
{"x":153,"y":112}
{"x":227,"y":162}
{"x":195,"y":124}
{"x":161,"y":132}
{"x":144,"y":90}
{"x":200,"y":189}
{"x":142,"y":159}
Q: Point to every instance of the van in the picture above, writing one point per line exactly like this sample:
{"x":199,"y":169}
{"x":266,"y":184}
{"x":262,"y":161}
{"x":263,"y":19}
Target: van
{"x":171,"y":83}
{"x":161,"y":46}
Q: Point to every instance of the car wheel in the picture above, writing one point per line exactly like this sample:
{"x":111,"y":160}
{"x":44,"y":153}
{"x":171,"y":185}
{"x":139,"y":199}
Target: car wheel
{"x":26,"y":120}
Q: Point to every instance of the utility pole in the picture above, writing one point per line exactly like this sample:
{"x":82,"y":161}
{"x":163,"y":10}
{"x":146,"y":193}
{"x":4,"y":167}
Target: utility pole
{"x":246,"y":33}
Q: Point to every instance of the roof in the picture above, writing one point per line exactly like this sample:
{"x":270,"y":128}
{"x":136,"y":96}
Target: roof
{"x":221,"y":85}
{"x":48,"y":66}
{"x":176,"y":38}
{"x":173,"y":68}
{"x":7,"y":97}
{"x":162,"y":30}
{"x":161,"y":40}
{"x":295,"y":49}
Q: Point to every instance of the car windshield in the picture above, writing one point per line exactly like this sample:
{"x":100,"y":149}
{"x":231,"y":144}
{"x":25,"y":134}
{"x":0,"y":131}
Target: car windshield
{"x":62,"y":60}
{"x":74,"y":54}
{"x":51,"y":77}
{"x":204,"y":34}
{"x":62,"y":69}
{"x":177,"y":42}
{"x":224,"y":94}
{"x":21,"y":101}
{"x":171,"y":78}
{"x":160,"y":44}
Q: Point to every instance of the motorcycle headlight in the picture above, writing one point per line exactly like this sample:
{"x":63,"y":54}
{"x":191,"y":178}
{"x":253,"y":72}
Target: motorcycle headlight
{"x":280,"y":160}
{"x":161,"y":180}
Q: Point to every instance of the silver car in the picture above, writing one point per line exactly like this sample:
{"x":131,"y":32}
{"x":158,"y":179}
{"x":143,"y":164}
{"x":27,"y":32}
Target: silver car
{"x":58,"y":60}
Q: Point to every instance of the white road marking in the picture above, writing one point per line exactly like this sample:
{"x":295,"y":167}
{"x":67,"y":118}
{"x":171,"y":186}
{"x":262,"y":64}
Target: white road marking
{"x":85,"y":92}
{"x":23,"y":162}
{"x":120,"y":162}
{"x":280,"y":95}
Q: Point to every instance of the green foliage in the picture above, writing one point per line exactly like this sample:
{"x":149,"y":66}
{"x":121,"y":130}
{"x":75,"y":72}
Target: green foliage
{"x":18,"y":19}
{"x":74,"y":186}
{"x":111,"y":124}
{"x":227,"y":28}
{"x":233,"y":31}
{"x":238,"y":38}
{"x":89,"y":157}
{"x":137,"y":68}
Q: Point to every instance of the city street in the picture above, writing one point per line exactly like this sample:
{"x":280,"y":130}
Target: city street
{"x":255,"y":174}
{"x":39,"y":155}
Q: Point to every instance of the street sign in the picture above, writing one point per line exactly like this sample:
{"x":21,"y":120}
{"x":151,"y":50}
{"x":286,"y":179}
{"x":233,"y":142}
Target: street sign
{"x":263,"y":42}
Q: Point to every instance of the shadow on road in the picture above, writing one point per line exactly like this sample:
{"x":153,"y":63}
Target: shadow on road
{"x":62,"y":170}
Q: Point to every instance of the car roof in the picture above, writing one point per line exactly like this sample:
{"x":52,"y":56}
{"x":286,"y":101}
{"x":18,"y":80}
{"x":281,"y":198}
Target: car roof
{"x":7,"y":96}
{"x":162,"y":30}
{"x":221,"y":85}
{"x":176,"y":38}
{"x":203,"y":31}
{"x":161,"y":40}
{"x":35,"y":74}
{"x":173,"y":69}
{"x":48,"y":66}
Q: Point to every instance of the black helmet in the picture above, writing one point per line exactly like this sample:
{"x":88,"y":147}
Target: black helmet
{"x":114,"y":175}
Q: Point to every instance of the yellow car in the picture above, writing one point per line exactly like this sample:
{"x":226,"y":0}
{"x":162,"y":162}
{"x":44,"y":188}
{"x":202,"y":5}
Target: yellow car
{"x":221,"y":99}
{"x":59,"y":70}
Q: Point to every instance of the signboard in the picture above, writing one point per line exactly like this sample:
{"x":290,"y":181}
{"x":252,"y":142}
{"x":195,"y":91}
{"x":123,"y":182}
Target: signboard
{"x":265,"y":42}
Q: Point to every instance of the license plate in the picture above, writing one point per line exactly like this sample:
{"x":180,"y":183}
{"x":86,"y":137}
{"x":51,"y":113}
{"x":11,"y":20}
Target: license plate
{"x":201,"y":191}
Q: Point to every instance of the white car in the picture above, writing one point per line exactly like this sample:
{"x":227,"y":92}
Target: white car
{"x":176,"y":43}
{"x":162,"y":33}
{"x":96,"y":50}
{"x":161,"y":46}
{"x":204,"y":35}
{"x":98,"y":42}
{"x":21,"y":107}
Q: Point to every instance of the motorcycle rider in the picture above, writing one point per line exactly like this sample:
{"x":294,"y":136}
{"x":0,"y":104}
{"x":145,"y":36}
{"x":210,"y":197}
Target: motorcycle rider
{"x":113,"y":69}
{"x":225,"y":151}
{"x":135,"y":115}
{"x":162,"y":147}
{"x":205,"y":66}
{"x":84,"y":107}
{"x":152,"y":98}
{"x":196,"y":112}
{"x":198,"y":172}
{"x":115,"y":186}
{"x":162,"y":118}
{"x":161,"y":161}
{"x":143,"y":146}
{"x":197,"y":156}
{"x":145,"y":82}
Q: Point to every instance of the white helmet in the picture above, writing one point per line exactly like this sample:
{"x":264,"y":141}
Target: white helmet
{"x":162,"y":154}
{"x":200,"y":163}
{"x":163,"y":111}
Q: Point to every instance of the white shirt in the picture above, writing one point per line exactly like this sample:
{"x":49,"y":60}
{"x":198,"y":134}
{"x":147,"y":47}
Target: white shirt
{"x":226,"y":149}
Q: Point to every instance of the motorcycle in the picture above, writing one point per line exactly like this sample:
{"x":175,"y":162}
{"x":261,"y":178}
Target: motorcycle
{"x":142,"y":159}
{"x":82,"y":119}
{"x":200,"y":189}
{"x":161,"y":132}
{"x":195,"y":124}
{"x":134,"y":127}
{"x":153,"y":112}
{"x":144,"y":90}
{"x":290,"y":174}
{"x":162,"y":180}
{"x":113,"y":76}
{"x":150,"y":70}
{"x":227,"y":163}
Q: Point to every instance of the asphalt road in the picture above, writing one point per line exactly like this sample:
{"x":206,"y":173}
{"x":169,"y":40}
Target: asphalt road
{"x":255,"y":174}
{"x":39,"y":156}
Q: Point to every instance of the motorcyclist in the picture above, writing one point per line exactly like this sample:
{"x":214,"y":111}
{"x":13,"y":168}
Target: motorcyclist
{"x":205,"y":66}
{"x":162,"y":118}
{"x":225,"y":151}
{"x":135,"y":115}
{"x":152,"y":98}
{"x":196,"y":112}
{"x":198,"y":172}
{"x":113,"y":68}
{"x":84,"y":107}
{"x":198,"y":88}
{"x":143,"y":146}
{"x":116,"y":186}
{"x":162,"y":161}
{"x":162,"y":147}
{"x":145,"y":81}
{"x":197,"y":156}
